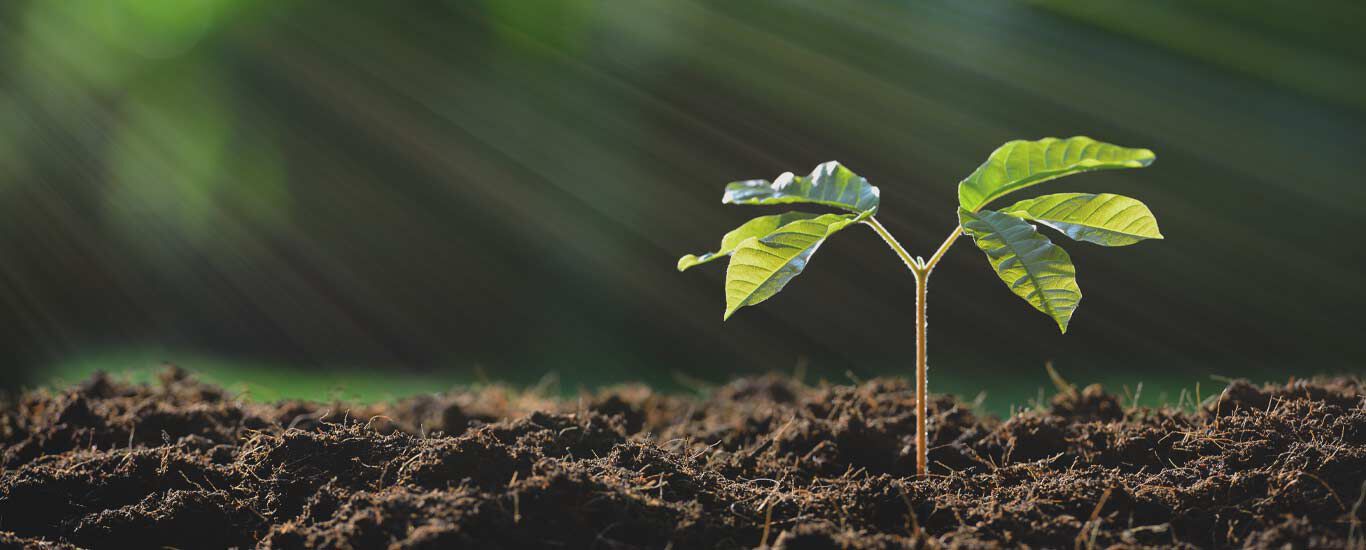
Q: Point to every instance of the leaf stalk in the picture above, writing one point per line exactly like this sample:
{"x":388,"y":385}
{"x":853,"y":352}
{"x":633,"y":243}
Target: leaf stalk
{"x":891,"y":241}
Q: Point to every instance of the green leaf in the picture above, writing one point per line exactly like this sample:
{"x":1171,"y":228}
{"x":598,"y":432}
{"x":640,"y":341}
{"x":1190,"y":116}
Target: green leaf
{"x":830,"y":184}
{"x":759,"y":268}
{"x":759,"y":227}
{"x":1104,"y":219}
{"x":1019,"y":164}
{"x":1031,"y":266}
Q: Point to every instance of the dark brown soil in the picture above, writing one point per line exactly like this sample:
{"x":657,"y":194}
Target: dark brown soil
{"x":761,"y":461}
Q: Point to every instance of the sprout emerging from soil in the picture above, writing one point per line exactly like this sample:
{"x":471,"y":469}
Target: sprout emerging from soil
{"x":768,"y":251}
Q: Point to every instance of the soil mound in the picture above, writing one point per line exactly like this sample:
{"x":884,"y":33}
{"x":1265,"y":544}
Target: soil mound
{"x":760,"y":462}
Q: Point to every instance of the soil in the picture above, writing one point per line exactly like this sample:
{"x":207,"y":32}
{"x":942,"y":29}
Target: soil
{"x":762,"y":461}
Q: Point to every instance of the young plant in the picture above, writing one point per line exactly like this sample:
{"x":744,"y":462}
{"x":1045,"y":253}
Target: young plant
{"x":768,"y":251}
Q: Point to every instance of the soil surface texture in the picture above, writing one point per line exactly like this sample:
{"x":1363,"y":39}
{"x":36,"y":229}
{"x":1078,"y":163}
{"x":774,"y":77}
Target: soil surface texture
{"x":760,"y":462}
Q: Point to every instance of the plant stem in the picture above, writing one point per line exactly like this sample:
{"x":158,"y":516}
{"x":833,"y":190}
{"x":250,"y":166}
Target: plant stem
{"x":921,"y":269}
{"x":922,"y":280}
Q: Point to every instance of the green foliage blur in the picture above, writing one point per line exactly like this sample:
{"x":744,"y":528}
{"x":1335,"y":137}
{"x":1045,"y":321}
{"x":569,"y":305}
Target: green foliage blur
{"x":506,"y":184}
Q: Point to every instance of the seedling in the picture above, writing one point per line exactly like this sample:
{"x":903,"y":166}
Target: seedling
{"x":768,"y":251}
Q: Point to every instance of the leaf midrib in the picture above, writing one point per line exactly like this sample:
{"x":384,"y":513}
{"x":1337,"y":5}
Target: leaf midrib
{"x":1047,"y":218}
{"x":1043,"y":298}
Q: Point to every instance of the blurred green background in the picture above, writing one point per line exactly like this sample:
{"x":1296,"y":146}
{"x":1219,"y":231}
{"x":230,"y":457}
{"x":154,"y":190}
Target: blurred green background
{"x":399,"y":196}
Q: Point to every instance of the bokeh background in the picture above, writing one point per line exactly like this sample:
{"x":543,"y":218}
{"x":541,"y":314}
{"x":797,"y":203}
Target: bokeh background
{"x":388,"y":197}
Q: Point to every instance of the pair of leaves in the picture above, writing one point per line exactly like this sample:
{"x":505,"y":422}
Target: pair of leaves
{"x":1029,"y":263}
{"x":768,"y":251}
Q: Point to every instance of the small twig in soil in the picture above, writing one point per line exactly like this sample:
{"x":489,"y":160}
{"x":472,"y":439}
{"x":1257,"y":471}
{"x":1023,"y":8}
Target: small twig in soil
{"x":1092,"y":523}
{"x":516,"y":500}
{"x":194,"y":483}
{"x":1128,"y":534}
{"x":817,"y":447}
{"x":703,"y":451}
{"x":1330,"y":489}
{"x":371,"y":421}
{"x":768,"y":521}
{"x":1355,"y":519}
{"x":776,"y":435}
{"x":317,"y":415}
{"x":1058,"y":381}
{"x":165,"y":453}
{"x":913,"y":522}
